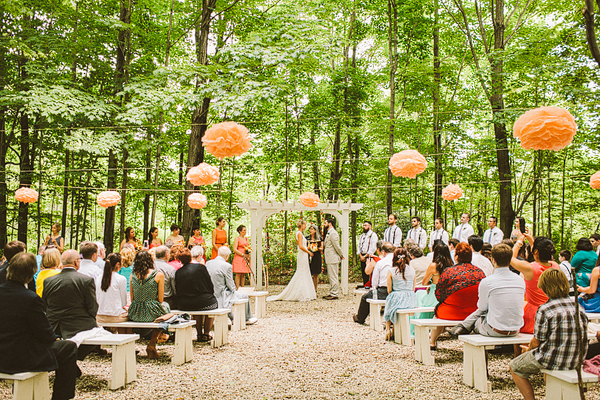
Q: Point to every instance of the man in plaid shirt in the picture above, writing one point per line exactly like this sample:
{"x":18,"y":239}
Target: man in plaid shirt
{"x":554,"y":342}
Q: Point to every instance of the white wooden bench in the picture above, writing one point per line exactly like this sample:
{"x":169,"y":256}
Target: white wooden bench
{"x":360,"y":293}
{"x":474,"y":359}
{"x":260,"y":303}
{"x":183,"y":336}
{"x":422,"y":328}
{"x":375,"y":307}
{"x":238,"y":309}
{"x":29,"y":385}
{"x":562,"y":385}
{"x":402,"y":327}
{"x":123,"y":357}
{"x":593,"y":317}
{"x":220,"y":325}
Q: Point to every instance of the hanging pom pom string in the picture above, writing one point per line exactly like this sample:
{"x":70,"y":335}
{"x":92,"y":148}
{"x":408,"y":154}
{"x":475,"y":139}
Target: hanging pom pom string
{"x":408,"y":164}
{"x":26,"y":195}
{"x":108,"y":198}
{"x":309,"y":199}
{"x":203,"y":174}
{"x":197,"y":201}
{"x":595,"y":180}
{"x":227,"y":139}
{"x":452,"y":192}
{"x":545,"y":128}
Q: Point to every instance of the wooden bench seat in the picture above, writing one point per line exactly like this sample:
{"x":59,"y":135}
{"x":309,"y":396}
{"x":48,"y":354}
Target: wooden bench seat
{"x":375,"y":307}
{"x":123,"y":357}
{"x":360,"y":293}
{"x":260,"y":303}
{"x":29,"y":385}
{"x":183,"y":336}
{"x":562,"y":385}
{"x":593,"y":317}
{"x":402,"y":327}
{"x":422,"y":328}
{"x":474,"y":357}
{"x":220,"y":325}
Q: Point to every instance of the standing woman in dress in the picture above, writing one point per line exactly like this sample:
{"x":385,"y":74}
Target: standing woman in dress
{"x":315,"y":245}
{"x":153,"y":239}
{"x":55,"y":239}
{"x":219,"y":237}
{"x":241,"y":259}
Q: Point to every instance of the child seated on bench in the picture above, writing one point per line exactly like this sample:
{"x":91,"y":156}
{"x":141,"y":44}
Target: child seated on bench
{"x":554,"y":343}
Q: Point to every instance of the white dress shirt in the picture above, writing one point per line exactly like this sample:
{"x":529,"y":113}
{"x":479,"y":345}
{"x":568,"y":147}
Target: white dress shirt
{"x":501,"y":295}
{"x":493,"y":236}
{"x":379,"y":277}
{"x":482,"y":263}
{"x":419,"y":236}
{"x":113,"y":301}
{"x":440,"y":234}
{"x":367,"y":243}
{"x":89,"y":268}
{"x":393,"y":234}
{"x":462,"y":232}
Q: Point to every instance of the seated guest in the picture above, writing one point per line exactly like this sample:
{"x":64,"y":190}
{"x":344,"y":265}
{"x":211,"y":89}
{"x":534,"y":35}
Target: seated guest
{"x":111,"y":292}
{"x":27,"y":341}
{"x":441,"y":261}
{"x":173,"y":260}
{"x":564,"y":258}
{"x":195,"y":292}
{"x":554,"y":344}
{"x":500,"y":301}
{"x":38,"y":260}
{"x":452,"y":243}
{"x":584,"y":261}
{"x":456,"y":290}
{"x":147,"y":296}
{"x":591,"y":300}
{"x":89,"y":254}
{"x":418,"y":262}
{"x":221,"y":274}
{"x":542,"y":250}
{"x":401,"y":289}
{"x":101,"y":255}
{"x":197,"y":253}
{"x":477,"y":259}
{"x":486,"y":251}
{"x":161,"y":253}
{"x":10,"y":250}
{"x":127,"y":256}
{"x":378,"y":281}
{"x":50,"y":267}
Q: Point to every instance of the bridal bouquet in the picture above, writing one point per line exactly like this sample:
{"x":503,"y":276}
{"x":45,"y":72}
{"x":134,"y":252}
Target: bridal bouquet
{"x":312,"y":247}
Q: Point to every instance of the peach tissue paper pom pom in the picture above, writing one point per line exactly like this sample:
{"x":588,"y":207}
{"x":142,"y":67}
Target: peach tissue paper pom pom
{"x":197,"y":201}
{"x":545,"y":128}
{"x":408,"y":163}
{"x":108,"y":198}
{"x":595,"y":180}
{"x":26,"y":195}
{"x":227,"y":139}
{"x":309,"y":199}
{"x":452,"y":192}
{"x":203,"y":174}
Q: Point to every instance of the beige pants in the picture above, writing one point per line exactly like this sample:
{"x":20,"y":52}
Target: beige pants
{"x":334,"y":283}
{"x":108,"y":319}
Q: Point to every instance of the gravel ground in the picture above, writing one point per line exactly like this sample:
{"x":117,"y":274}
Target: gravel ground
{"x":309,"y":350}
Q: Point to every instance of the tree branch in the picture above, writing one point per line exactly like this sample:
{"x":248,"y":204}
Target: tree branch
{"x":481,"y":28}
{"x":520,"y":22}
{"x":590,"y":33}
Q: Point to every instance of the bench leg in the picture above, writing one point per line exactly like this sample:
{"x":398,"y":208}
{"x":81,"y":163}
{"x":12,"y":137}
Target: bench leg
{"x":183,"y":339}
{"x":402,"y":329}
{"x":32,"y":389}
{"x":557,"y":389}
{"x":260,"y":306}
{"x":375,"y":320}
{"x":220,"y":331}
{"x":130,"y":362}
{"x":422,"y":351}
{"x":479,"y":368}
{"x":119,"y":367}
{"x":468,"y":364}
{"x":239,"y":317}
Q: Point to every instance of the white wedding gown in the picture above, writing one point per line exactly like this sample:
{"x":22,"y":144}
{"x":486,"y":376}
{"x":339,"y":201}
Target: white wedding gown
{"x":301,"y":287}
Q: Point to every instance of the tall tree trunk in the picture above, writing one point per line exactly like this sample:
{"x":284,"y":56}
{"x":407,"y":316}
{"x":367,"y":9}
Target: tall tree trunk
{"x":393,"y":52}
{"x":590,"y":32}
{"x":4,"y":142}
{"x":437,"y":134}
{"x":65,"y":199}
{"x":180,"y":195}
{"x":123,"y":204}
{"x":25,"y":177}
{"x":147,"y":195}
{"x":109,"y":214}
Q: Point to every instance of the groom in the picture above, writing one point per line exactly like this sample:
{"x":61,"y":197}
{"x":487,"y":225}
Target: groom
{"x":333,"y":257}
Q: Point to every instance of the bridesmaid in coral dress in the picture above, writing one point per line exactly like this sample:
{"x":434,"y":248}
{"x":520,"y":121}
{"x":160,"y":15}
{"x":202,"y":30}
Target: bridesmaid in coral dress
{"x":219,"y":237}
{"x":241,"y":257}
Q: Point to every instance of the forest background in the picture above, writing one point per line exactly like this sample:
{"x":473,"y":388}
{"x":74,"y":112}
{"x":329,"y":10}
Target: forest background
{"x":98,"y":95}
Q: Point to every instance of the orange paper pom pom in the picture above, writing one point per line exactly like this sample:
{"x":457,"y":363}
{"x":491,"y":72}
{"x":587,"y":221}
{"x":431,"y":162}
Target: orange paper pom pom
{"x":408,"y":163}
{"x":26,"y":195}
{"x":545,"y":128}
{"x":203,"y":174}
{"x":227,"y":139}
{"x":452,"y":192}
{"x":197,"y":201}
{"x":309,"y":199}
{"x":595,"y":180}
{"x":108,"y":198}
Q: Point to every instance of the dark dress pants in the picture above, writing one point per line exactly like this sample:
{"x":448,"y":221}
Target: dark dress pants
{"x":65,"y":352}
{"x":363,"y":308}
{"x":365,"y":276}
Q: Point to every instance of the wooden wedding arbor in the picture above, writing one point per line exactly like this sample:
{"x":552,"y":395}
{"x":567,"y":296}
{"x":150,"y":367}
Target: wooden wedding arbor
{"x":261,"y":210}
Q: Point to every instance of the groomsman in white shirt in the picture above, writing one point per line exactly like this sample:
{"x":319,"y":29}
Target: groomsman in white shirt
{"x":439,"y":233}
{"x":417,"y":234}
{"x":367,"y":244}
{"x":393,"y":234}
{"x":493,"y":235}
{"x":464,"y":230}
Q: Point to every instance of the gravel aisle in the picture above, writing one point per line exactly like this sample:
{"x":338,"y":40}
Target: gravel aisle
{"x":302,"y":351}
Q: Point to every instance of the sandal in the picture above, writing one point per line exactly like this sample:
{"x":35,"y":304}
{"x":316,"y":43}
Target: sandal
{"x":205,"y":338}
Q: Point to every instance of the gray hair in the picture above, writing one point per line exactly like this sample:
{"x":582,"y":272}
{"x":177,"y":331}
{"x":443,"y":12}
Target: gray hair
{"x":69,"y":257}
{"x":161,"y":251}
{"x":415,"y":251}
{"x":197,"y":251}
{"x":224,"y":251}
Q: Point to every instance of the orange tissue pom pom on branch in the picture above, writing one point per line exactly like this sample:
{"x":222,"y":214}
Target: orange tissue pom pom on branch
{"x":309,"y":199}
{"x":545,"y":128}
{"x":408,"y":163}
{"x":227,"y":139}
{"x":595,"y":180}
{"x":452,"y":192}
{"x":197,"y":201}
{"x":203,"y":174}
{"x":108,"y":198}
{"x":26,"y":195}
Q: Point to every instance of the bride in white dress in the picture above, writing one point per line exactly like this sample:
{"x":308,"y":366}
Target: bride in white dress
{"x":301,"y":286}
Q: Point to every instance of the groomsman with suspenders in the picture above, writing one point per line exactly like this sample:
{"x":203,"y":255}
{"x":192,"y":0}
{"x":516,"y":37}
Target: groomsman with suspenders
{"x":417,"y":234}
{"x":393,"y":234}
{"x":493,"y":235}
{"x":464,"y":230}
{"x":439,"y":233}
{"x":367,"y":245}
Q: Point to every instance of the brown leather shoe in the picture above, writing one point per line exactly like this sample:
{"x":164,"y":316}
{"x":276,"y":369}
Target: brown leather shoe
{"x":330,"y":297}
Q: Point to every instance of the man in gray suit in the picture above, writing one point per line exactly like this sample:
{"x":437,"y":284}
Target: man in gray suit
{"x":160,"y":264}
{"x":221,"y":274}
{"x":333,"y":257}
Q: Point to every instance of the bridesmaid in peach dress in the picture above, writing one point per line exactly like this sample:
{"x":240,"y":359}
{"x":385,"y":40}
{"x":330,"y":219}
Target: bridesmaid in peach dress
{"x":240,"y":259}
{"x":219,"y":237}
